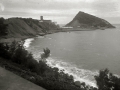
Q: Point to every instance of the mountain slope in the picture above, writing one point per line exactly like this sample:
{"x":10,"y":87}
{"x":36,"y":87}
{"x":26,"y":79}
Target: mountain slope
{"x":86,"y":20}
{"x":20,"y":27}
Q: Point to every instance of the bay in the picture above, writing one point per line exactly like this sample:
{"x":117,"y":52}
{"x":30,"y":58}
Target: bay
{"x":81,"y":53}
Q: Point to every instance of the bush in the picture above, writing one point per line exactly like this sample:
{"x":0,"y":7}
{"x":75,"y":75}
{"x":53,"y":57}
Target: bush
{"x":107,"y":81}
{"x":3,"y":27}
{"x":42,"y":67}
{"x":4,"y":50}
{"x":46,"y":54}
{"x":17,"y":54}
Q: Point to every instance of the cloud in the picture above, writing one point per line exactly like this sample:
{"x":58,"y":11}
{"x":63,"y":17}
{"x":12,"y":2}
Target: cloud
{"x":90,"y":1}
{"x":60,"y":8}
{"x":105,"y":8}
{"x":1,"y":7}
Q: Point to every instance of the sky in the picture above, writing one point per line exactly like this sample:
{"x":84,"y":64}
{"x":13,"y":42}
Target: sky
{"x":60,"y":11}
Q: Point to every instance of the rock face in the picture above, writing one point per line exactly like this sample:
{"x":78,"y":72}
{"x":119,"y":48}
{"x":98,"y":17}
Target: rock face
{"x":85,"y":20}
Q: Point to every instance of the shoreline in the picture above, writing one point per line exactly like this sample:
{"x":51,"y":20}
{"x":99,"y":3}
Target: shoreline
{"x":69,"y":31}
{"x":22,"y":39}
{"x":8,"y":39}
{"x":75,"y":75}
{"x":66,"y":72}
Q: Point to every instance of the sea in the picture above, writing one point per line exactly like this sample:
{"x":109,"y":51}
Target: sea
{"x":80,"y":53}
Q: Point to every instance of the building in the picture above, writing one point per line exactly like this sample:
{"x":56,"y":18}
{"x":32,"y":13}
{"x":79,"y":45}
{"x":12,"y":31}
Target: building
{"x":42,"y":20}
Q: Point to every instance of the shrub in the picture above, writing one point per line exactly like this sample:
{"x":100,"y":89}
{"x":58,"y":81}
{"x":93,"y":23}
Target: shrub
{"x":17,"y":54}
{"x":4,"y":50}
{"x":20,"y":55}
{"x":3,"y":27}
{"x":46,"y":54}
{"x":107,"y":81}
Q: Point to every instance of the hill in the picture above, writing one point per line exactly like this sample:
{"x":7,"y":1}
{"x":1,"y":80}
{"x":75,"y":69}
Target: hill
{"x":21,"y":27}
{"x":85,"y":20}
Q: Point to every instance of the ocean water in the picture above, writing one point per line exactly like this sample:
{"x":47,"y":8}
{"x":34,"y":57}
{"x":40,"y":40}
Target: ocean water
{"x":80,"y":53}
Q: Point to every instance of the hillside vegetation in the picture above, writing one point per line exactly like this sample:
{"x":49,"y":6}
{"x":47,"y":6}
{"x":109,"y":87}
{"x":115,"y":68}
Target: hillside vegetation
{"x":3,"y":27}
{"x":20,"y":27}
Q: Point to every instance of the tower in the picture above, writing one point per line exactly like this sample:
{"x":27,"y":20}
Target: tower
{"x":41,"y":18}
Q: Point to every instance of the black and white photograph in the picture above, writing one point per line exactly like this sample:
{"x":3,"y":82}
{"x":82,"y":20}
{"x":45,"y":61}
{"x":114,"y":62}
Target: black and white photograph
{"x":59,"y":44}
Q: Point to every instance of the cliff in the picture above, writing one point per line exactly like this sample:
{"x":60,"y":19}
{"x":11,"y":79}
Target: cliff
{"x":20,"y":27}
{"x":86,"y":20}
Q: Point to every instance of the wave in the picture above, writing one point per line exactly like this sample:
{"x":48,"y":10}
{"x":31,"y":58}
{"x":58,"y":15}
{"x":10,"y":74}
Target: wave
{"x":28,"y":42}
{"x":81,"y":75}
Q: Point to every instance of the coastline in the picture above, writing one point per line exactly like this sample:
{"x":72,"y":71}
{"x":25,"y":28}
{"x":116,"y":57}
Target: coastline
{"x":8,"y":39}
{"x":42,"y":81}
{"x":88,"y":82}
{"x":22,"y":39}
{"x":18,"y":39}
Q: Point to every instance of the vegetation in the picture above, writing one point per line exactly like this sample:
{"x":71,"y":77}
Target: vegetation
{"x":3,"y":27}
{"x":46,"y":54}
{"x":21,"y":62}
{"x":45,"y":76}
{"x":45,"y":26}
{"x":107,"y":81}
{"x":25,"y":27}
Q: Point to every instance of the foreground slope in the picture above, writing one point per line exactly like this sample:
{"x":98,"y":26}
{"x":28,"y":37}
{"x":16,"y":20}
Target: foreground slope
{"x":86,"y":20}
{"x":10,"y":81}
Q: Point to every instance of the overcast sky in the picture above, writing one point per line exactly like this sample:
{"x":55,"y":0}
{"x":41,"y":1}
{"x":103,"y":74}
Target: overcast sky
{"x":61,"y":11}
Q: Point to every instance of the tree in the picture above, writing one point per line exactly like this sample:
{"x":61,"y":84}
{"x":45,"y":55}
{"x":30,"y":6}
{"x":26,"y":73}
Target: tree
{"x":46,"y":54}
{"x":107,"y":81}
{"x":42,"y":62}
{"x":3,"y":27}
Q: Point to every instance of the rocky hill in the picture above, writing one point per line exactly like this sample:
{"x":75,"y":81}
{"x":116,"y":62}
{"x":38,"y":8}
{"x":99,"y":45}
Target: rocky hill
{"x":20,"y":27}
{"x":86,"y":20}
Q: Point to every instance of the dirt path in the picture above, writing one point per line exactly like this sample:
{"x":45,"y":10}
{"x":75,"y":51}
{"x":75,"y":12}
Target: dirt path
{"x":10,"y":81}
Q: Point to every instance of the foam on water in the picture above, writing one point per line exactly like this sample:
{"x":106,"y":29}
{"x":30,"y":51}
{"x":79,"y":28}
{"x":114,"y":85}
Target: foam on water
{"x":37,"y":55}
{"x":81,"y":75}
{"x":28,"y":42}
{"x":40,"y":36}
